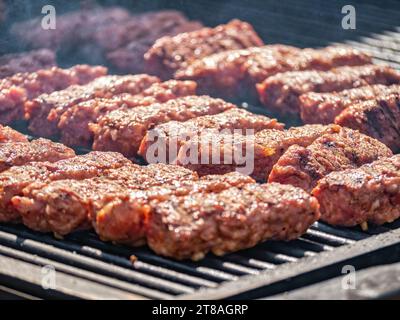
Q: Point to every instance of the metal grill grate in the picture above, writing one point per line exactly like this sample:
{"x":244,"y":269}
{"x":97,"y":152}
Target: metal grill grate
{"x":90,"y":268}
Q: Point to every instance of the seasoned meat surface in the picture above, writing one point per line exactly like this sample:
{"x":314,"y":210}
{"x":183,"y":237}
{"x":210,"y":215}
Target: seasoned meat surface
{"x":20,"y":153}
{"x":37,"y":174}
{"x":235,"y":73}
{"x":169,"y":54}
{"x":280,"y":93}
{"x":358,"y":196}
{"x":324,"y":107}
{"x":123,"y":130}
{"x":30,"y":61}
{"x":8,"y":134}
{"x":17,"y":89}
{"x":172,"y":135}
{"x":74,"y":123}
{"x":45,"y":111}
{"x":346,"y":149}
{"x":119,"y":218}
{"x":253,"y":155}
{"x":237,"y":218}
{"x":66,"y":205}
{"x":378,"y":118}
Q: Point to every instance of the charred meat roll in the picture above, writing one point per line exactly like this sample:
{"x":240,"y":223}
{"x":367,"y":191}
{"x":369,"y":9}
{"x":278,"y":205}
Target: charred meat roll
{"x":358,"y":196}
{"x":162,"y":143}
{"x":280,"y":93}
{"x":346,"y":149}
{"x":169,"y":54}
{"x":67,"y":205}
{"x":123,"y":130}
{"x":378,"y":118}
{"x":45,"y":111}
{"x":237,"y":218}
{"x":20,"y":153}
{"x":74,"y":123}
{"x":324,"y":107}
{"x":17,"y":89}
{"x":235,"y":73}
{"x":37,"y":174}
{"x":217,"y":153}
{"x":121,"y":219}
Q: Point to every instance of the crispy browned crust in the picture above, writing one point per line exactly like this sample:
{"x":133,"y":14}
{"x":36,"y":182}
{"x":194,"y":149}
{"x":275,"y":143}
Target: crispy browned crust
{"x":37,"y":174}
{"x":30,"y":61}
{"x":234,"y":74}
{"x":237,"y":218}
{"x":66,"y":205}
{"x":264,"y":149}
{"x":347,"y":149}
{"x":379,"y":118}
{"x":74,"y":123}
{"x":168,"y":54}
{"x":119,"y":218}
{"x":45,"y":111}
{"x":123,"y":130}
{"x":324,"y":107}
{"x":357,"y":196}
{"x":8,"y":134}
{"x":17,"y":89}
{"x":172,"y":135}
{"x":20,"y":153}
{"x":280,"y":93}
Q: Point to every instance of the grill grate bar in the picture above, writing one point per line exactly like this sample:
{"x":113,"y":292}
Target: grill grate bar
{"x":312,"y":245}
{"x":342,"y":232}
{"x":81,"y":273}
{"x":151,"y":258}
{"x":69,"y":256}
{"x":291,"y":249}
{"x":326,"y":237}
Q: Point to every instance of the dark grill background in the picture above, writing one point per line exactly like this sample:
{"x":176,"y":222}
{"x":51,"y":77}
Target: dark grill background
{"x":89,"y":268}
